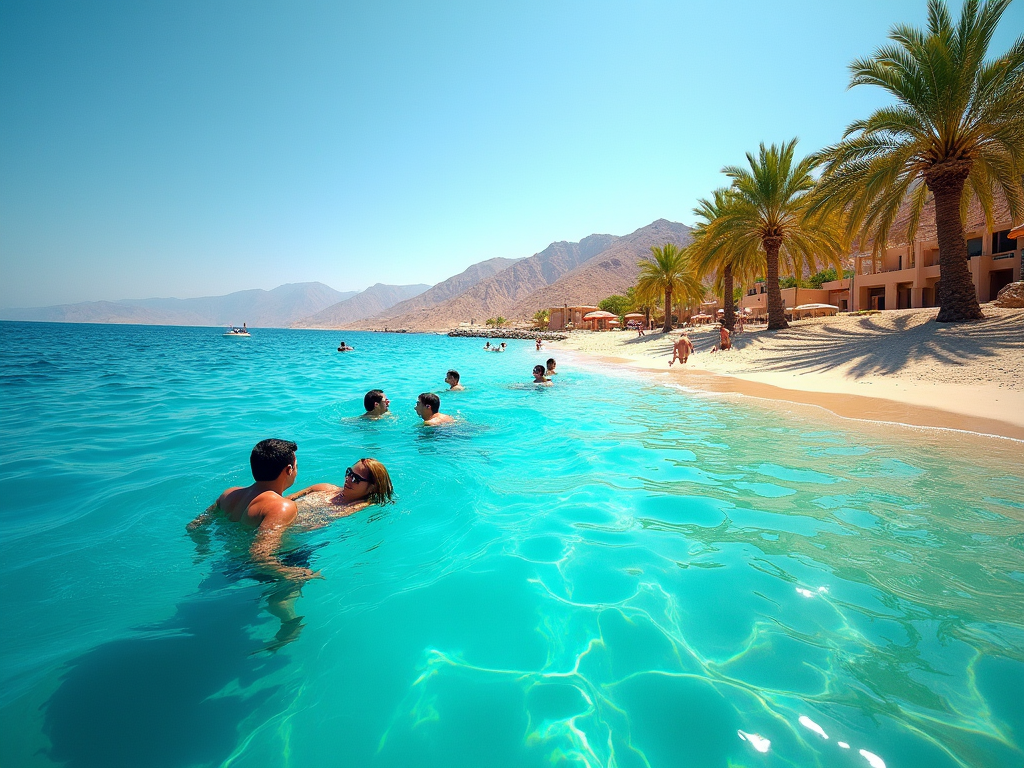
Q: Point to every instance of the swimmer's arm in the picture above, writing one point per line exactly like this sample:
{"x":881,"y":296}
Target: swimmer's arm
{"x":267,"y":542}
{"x":311,"y":489}
{"x":206,"y":516}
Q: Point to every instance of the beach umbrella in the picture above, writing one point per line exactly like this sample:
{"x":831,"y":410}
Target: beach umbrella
{"x":599,"y":315}
{"x":634,"y":316}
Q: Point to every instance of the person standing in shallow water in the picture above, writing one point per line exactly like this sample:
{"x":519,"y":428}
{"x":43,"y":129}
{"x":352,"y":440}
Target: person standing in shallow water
{"x":428,"y":408}
{"x":262,"y":506}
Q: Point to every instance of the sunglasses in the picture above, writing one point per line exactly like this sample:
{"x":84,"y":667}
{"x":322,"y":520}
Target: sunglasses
{"x":350,"y":475}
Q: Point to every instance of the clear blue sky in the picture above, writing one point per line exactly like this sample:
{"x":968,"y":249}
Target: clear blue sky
{"x":195,"y":148}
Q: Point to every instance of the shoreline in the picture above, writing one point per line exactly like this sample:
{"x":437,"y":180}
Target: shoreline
{"x":932,"y":394}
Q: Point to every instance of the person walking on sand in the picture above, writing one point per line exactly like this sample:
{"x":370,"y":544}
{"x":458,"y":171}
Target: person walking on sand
{"x":681,"y":350}
{"x":452,"y":380}
{"x":376,"y":404}
{"x":725,"y":338}
{"x":428,"y":408}
{"x":261,"y":506}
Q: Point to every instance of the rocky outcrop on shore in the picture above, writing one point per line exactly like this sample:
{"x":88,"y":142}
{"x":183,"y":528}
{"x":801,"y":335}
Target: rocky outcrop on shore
{"x":511,"y":333}
{"x":1011,"y":296}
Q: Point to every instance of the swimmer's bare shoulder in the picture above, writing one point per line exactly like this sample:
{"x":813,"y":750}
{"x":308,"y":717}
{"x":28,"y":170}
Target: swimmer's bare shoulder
{"x":438,"y":419}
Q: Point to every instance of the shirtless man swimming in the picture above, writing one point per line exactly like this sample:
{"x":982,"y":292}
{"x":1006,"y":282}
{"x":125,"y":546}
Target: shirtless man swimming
{"x":428,"y":408}
{"x":376,"y":403}
{"x":263,"y":507}
{"x":452,"y":380}
{"x":682,"y":350}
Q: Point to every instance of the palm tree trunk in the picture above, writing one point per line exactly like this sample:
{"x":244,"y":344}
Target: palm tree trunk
{"x":776,"y":311}
{"x":957,"y":297}
{"x":668,"y":311}
{"x":729,"y":319}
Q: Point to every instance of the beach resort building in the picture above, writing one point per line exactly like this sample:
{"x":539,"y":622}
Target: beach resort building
{"x":906,"y":274}
{"x":565,"y":316}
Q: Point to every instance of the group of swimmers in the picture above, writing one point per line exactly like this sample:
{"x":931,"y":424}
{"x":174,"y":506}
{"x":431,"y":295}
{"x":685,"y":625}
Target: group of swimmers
{"x":264,"y":507}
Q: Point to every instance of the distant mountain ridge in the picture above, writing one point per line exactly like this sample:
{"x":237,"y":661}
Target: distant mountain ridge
{"x":372,"y":301}
{"x":496,"y":295}
{"x":449,"y":289}
{"x":610,"y":272}
{"x":277,"y":308}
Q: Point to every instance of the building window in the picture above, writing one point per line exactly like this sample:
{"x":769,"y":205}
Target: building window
{"x":974,"y":246}
{"x":1001,"y":243}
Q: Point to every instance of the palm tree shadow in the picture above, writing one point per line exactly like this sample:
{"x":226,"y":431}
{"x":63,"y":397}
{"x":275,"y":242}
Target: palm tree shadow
{"x":157,"y":700}
{"x":874,"y":349}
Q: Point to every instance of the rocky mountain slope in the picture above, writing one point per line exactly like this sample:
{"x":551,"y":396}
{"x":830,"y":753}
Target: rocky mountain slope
{"x":278,"y":308}
{"x":497,"y":295}
{"x":440,"y":293}
{"x":372,"y":301}
{"x":612,"y":271}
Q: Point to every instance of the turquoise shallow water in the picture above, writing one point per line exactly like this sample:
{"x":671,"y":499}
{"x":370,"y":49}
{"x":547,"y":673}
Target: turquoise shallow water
{"x":609,"y":571}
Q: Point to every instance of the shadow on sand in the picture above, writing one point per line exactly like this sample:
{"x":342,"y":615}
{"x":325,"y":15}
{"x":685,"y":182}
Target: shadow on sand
{"x":176,"y":695}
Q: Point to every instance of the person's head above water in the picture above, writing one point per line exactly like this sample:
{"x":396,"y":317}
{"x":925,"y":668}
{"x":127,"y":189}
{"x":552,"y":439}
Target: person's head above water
{"x":538,"y":373}
{"x":375,"y":402}
{"x":452,"y":378}
{"x":427,"y":405}
{"x":271,"y":459}
{"x":368,"y":479}
{"x":551,"y":363}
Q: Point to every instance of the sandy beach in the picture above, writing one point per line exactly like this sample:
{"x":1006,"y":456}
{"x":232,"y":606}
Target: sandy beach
{"x":898,"y":366}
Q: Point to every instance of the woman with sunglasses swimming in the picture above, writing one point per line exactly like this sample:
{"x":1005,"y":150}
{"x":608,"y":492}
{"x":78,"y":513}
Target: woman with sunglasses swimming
{"x":366,"y":483}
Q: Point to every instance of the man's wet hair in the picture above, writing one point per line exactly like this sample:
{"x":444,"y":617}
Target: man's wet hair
{"x":455,"y":375}
{"x":432,"y":401}
{"x":538,"y":370}
{"x":371,"y":398}
{"x":271,"y":456}
{"x":551,"y":362}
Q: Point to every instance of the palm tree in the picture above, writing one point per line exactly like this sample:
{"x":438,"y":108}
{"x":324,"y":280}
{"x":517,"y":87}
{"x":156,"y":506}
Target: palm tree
{"x":727,"y":263}
{"x":668,"y":273}
{"x":768,"y":214}
{"x":956,"y":131}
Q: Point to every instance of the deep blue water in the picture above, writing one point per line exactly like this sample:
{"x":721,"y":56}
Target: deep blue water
{"x":609,"y":571}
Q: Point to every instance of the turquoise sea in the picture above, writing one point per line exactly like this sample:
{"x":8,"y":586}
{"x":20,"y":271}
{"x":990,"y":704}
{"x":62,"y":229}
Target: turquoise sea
{"x":612,"y":571}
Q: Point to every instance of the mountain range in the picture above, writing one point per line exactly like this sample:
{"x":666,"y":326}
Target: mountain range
{"x":573,"y":273}
{"x":279,"y":308}
{"x":563,"y":273}
{"x":373,"y":300}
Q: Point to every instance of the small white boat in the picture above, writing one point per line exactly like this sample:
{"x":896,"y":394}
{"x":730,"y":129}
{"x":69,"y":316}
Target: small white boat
{"x":238,"y":333}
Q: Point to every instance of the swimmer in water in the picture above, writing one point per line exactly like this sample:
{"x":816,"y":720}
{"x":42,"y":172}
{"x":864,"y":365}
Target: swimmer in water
{"x":538,"y":376}
{"x":343,"y":347}
{"x":262,"y":507}
{"x":551,"y":367}
{"x":452,"y":380}
{"x":376,"y":404}
{"x":428,"y":408}
{"x":366,"y":483}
